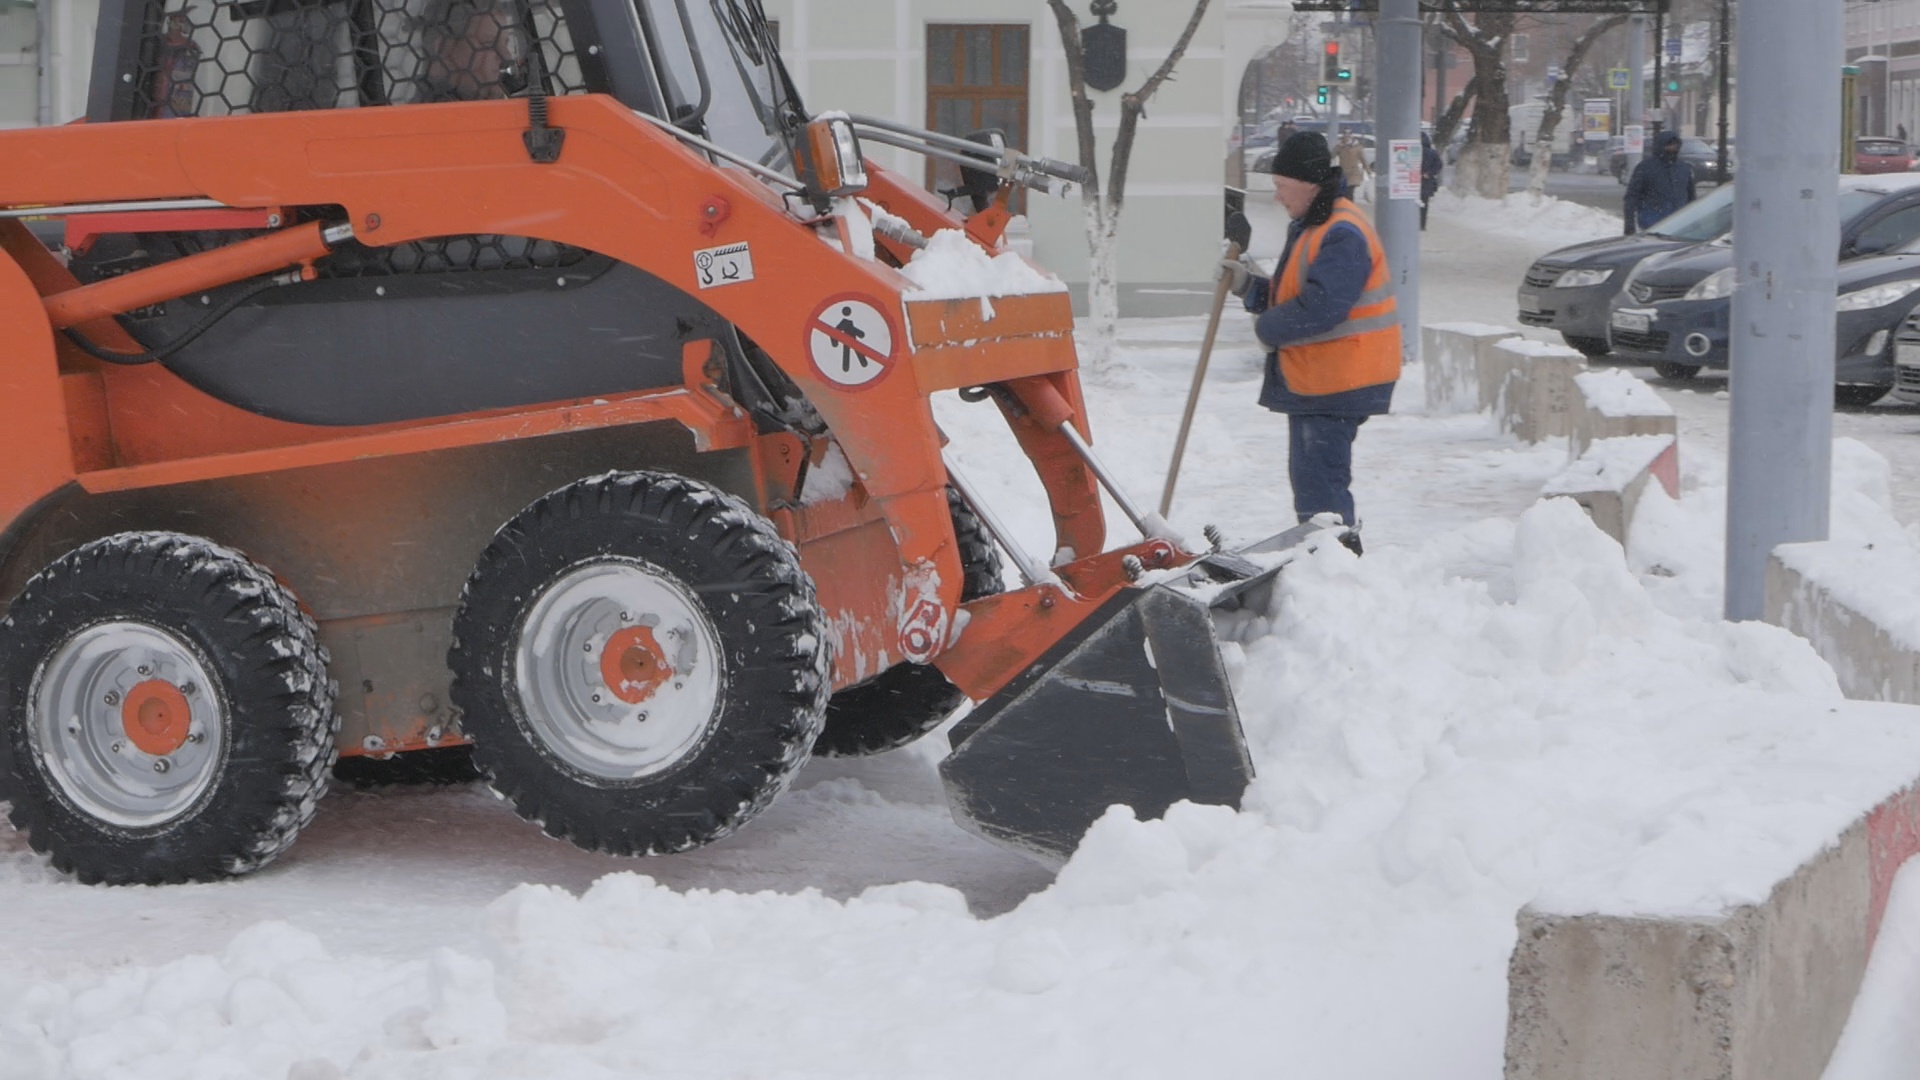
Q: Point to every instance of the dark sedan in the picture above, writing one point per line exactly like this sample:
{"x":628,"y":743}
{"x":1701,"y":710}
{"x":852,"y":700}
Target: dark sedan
{"x":1701,"y":155}
{"x":1675,"y":309}
{"x":1568,"y":290}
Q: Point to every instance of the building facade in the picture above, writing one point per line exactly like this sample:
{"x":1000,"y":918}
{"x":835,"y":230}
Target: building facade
{"x":1883,"y":41}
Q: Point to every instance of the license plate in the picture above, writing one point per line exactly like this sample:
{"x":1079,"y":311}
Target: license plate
{"x":1529,"y":303}
{"x":1906,"y":354}
{"x":1634,"y":322}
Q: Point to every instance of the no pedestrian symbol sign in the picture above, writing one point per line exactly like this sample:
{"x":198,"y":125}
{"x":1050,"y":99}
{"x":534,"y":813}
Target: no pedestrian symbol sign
{"x":851,"y":342}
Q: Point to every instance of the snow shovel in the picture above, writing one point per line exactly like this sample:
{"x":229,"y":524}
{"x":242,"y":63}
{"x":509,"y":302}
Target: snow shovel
{"x":1239,"y":233}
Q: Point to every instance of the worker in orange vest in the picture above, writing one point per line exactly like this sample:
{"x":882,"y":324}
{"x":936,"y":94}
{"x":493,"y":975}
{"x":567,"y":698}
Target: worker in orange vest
{"x":1328,"y":316}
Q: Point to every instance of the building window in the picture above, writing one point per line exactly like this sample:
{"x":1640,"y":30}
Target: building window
{"x":976,"y":80}
{"x":1519,"y":48}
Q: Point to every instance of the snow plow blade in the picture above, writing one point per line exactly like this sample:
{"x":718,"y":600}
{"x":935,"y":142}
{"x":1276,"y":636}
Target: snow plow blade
{"x":1133,"y":706}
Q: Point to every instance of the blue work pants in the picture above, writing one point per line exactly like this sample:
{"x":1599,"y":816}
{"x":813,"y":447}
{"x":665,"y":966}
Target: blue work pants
{"x":1320,"y":464}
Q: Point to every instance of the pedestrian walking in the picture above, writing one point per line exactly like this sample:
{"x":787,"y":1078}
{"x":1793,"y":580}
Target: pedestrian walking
{"x":1660,"y":184}
{"x":1329,"y":321}
{"x":1430,"y":165}
{"x":1353,"y":163}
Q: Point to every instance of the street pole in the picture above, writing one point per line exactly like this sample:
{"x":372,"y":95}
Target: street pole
{"x":1396,"y":110}
{"x":1721,"y":73}
{"x":1660,"y":66}
{"x":1786,"y":228}
{"x":1636,"y":81}
{"x":43,"y":23}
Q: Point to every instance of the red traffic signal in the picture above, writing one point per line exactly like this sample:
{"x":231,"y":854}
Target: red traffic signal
{"x":1333,"y":48}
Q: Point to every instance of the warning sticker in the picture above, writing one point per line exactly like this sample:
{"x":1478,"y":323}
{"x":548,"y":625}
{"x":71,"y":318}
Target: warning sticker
{"x":851,"y":342}
{"x":717,"y":266}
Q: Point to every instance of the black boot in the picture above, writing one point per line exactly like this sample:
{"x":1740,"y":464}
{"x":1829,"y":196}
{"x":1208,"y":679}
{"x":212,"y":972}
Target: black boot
{"x":1351,"y":541}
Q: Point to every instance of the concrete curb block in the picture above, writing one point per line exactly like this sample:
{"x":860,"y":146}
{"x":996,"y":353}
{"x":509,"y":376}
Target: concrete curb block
{"x":1534,"y":390}
{"x":1761,"y":992}
{"x":1455,"y":355}
{"x":1614,"y":403}
{"x":1609,"y":478}
{"x":1872,"y":663}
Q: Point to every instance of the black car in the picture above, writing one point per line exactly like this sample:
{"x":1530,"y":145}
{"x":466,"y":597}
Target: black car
{"x":1568,"y":290}
{"x":1675,"y":309}
{"x":1702,"y":156}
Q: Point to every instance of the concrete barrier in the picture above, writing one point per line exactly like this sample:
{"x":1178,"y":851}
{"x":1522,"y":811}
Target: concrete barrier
{"x":1761,"y":992}
{"x":1611,"y":475}
{"x":1859,"y":606}
{"x":1454,"y":355}
{"x":1534,"y":392}
{"x":1614,"y":403}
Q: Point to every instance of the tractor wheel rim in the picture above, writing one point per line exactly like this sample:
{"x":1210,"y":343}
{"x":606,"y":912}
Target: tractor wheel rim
{"x":618,"y":670}
{"x":128,"y":723}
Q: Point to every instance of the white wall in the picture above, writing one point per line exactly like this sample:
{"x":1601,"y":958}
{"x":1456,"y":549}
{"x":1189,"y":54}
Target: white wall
{"x":72,"y":34}
{"x":868,"y":56}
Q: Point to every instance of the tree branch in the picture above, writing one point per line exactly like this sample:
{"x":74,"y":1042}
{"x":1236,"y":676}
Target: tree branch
{"x":1082,"y":105}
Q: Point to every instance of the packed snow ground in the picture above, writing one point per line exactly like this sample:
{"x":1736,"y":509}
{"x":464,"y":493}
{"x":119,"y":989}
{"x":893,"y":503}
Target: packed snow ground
{"x":1496,"y":706}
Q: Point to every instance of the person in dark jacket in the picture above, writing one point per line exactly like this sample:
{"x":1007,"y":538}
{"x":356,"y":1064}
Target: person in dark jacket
{"x":1430,"y":165}
{"x":1660,"y":184}
{"x":1329,"y":318}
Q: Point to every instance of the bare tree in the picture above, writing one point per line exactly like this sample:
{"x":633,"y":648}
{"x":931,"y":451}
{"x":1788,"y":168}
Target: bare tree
{"x":1483,"y":164}
{"x":1557,"y":101}
{"x":1103,"y":206}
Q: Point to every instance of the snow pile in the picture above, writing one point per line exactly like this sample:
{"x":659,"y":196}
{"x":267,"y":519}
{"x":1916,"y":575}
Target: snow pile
{"x":1525,"y":217}
{"x":952,"y":267}
{"x":1433,"y":752}
{"x":1618,"y":393}
{"x":1874,"y":567}
{"x":1609,"y":464}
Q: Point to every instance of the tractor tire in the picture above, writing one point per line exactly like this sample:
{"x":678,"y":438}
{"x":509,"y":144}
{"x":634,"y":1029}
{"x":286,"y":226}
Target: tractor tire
{"x":1858,"y":395}
{"x":168,"y":712}
{"x":640,"y":663}
{"x":1676,"y":372}
{"x":906,"y":701}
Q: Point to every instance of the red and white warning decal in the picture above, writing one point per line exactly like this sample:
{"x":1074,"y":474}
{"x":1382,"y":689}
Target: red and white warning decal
{"x":851,"y":341}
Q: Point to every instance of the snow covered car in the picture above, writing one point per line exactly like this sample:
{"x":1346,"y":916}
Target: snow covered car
{"x":1568,"y":290}
{"x":1675,"y":309}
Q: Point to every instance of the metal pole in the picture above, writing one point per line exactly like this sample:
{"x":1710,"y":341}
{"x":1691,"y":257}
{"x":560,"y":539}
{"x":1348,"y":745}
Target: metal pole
{"x":1660,"y":65}
{"x":43,"y":25}
{"x":1636,"y":81}
{"x":1396,"y":90}
{"x":1786,"y":228}
{"x":1721,"y":72}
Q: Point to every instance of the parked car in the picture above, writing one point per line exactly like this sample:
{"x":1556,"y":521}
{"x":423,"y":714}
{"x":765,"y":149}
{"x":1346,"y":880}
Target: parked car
{"x":1701,"y":156}
{"x":1871,"y":156}
{"x":1674,"y":310}
{"x":1568,"y":290}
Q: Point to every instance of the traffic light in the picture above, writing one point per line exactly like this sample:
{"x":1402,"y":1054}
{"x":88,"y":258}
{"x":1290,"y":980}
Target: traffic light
{"x":1330,"y":67}
{"x":1320,"y":98}
{"x":1344,"y":75}
{"x":1673,"y":86}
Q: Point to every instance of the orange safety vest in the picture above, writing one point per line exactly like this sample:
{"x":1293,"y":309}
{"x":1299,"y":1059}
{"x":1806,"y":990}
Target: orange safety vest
{"x":1364,"y":350}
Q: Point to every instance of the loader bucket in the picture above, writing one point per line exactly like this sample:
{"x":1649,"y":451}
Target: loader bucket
{"x":1131,"y":707}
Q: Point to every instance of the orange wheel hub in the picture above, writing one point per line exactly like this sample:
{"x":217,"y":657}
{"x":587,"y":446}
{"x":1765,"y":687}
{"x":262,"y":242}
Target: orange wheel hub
{"x":632,"y":665}
{"x":156,"y":717}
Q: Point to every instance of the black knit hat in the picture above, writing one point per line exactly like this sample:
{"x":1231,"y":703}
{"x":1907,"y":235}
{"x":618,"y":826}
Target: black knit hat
{"x":1304,"y":156}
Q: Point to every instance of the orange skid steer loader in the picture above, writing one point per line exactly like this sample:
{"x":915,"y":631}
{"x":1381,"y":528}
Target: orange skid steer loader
{"x":563,"y":371}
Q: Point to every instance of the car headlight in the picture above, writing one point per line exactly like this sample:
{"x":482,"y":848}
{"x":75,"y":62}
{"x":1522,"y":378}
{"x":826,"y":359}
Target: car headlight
{"x":1713,"y":286}
{"x":1574,"y":279}
{"x":1876,"y":296}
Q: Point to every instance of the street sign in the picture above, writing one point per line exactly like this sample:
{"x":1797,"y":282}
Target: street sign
{"x":1616,"y":78}
{"x":1636,"y":138}
{"x":1673,"y":47}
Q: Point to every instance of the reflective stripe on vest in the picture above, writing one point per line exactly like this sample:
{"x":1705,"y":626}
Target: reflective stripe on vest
{"x":1362,"y":351}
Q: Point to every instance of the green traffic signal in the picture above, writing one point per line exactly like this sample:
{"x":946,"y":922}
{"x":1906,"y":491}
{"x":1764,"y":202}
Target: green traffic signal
{"x":1673,"y":86}
{"x":1321,"y":97}
{"x":1344,"y":74}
